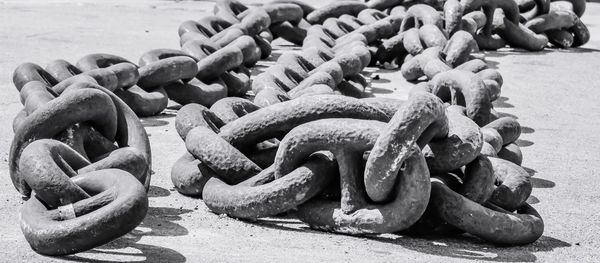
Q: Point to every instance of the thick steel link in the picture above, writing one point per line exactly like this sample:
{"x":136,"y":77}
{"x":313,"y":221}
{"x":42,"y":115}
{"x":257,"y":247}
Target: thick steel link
{"x":119,"y":204}
{"x":84,"y":154}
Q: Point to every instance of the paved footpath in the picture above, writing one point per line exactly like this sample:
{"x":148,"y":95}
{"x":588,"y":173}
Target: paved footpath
{"x":553,"y":93}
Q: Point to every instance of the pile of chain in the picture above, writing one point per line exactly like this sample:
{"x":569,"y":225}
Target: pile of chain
{"x":442,"y":162}
{"x":526,"y":24}
{"x":348,"y":166}
{"x":83,"y":153}
{"x":300,"y":137}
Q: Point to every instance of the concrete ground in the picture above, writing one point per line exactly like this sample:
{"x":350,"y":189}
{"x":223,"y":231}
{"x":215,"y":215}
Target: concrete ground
{"x":553,"y":93}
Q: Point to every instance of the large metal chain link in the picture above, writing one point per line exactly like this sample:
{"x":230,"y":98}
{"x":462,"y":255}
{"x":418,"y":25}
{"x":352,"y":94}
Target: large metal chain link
{"x":86,"y":156}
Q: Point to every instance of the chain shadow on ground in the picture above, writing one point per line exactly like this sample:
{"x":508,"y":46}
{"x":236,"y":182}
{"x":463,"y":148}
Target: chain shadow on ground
{"x":518,"y":51}
{"x":375,"y":90}
{"x":538,"y":182}
{"x":469,"y":247}
{"x":156,"y":191}
{"x":160,"y":221}
{"x":532,"y":200}
{"x":492,"y":64}
{"x":462,"y":246}
{"x":156,"y":121}
{"x":501,"y":102}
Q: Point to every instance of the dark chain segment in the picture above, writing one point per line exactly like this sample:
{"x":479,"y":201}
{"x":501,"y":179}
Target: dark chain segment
{"x":391,"y":166}
{"x":86,"y":157}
